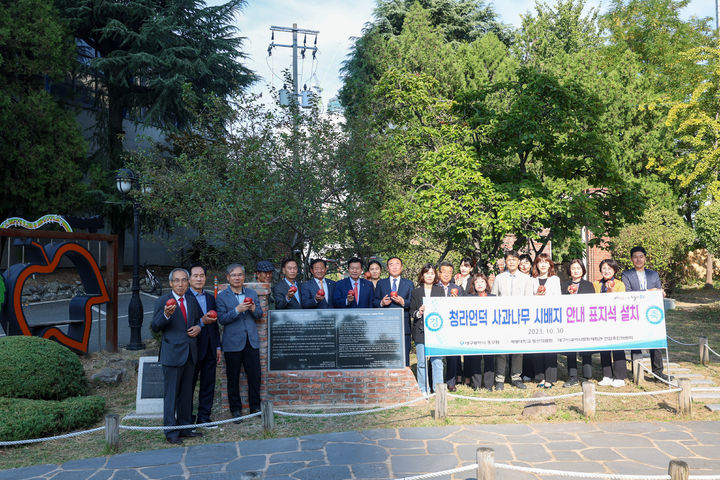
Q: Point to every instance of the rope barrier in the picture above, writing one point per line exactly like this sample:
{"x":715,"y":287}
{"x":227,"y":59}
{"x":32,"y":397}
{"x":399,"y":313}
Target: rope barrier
{"x":681,"y":343}
{"x":713,"y":351}
{"x":47,"y":439}
{"x":656,"y":376}
{"x":347,"y":414}
{"x":562,"y":473}
{"x":184,"y":427}
{"x":637,"y":394}
{"x":526,"y":400}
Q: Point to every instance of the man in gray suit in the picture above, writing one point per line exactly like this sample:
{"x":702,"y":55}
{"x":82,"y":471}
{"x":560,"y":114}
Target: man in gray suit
{"x":640,"y":279}
{"x":511,"y":282}
{"x":177,"y":316}
{"x":238,"y":310}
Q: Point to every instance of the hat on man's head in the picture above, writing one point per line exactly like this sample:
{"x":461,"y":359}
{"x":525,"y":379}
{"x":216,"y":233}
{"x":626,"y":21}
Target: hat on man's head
{"x":264,"y":266}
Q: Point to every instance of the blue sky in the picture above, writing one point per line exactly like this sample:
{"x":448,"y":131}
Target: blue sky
{"x":338,"y":21}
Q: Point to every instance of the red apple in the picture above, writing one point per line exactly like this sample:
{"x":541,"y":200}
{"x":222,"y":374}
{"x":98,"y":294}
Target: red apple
{"x":393,"y":294}
{"x":351,"y":293}
{"x":292,"y":289}
{"x":248,"y":300}
{"x":212,"y":314}
{"x":321,"y":292}
{"x":541,"y":290}
{"x":482,"y":294}
{"x":171,"y":302}
{"x":368,"y":275}
{"x":572,"y":288}
{"x":610,"y":283}
{"x":454,"y":292}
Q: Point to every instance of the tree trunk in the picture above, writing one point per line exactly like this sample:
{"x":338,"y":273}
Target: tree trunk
{"x":115,"y":135}
{"x":709,"y":265}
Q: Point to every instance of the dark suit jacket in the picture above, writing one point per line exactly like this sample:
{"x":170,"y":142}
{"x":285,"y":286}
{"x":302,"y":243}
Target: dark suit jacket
{"x":238,"y":328}
{"x":209,"y":338}
{"x":404,"y":289}
{"x":451,"y":285}
{"x":630,"y":279}
{"x":176,"y":345}
{"x":308,"y":291}
{"x":341,"y":288}
{"x":280,"y":291}
{"x":416,"y":301}
{"x":583,"y":287}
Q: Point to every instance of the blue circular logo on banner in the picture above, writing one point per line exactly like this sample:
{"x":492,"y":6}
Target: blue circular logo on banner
{"x":654,"y":315}
{"x":433,"y":322}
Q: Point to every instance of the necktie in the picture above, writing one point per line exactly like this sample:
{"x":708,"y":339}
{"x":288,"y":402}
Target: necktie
{"x":394,"y":285}
{"x":355,"y":290}
{"x":182,"y":309}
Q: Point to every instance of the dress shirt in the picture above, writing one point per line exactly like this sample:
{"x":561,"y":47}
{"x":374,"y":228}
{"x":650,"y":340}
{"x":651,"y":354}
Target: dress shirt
{"x":297,"y":289}
{"x":642,"y":279}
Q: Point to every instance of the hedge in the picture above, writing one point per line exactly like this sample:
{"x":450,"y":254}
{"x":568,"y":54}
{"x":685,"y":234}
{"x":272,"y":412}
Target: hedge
{"x":41,"y":369}
{"x":23,"y":419}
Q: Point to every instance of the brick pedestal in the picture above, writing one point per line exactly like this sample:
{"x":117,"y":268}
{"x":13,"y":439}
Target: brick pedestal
{"x":322,"y":387}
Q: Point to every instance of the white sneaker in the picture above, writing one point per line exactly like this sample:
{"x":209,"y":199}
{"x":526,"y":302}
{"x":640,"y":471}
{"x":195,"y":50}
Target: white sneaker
{"x":605,"y":382}
{"x":618,"y":382}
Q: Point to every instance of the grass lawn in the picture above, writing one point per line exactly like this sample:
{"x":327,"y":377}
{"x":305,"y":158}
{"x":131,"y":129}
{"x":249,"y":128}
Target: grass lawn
{"x":697,"y":314}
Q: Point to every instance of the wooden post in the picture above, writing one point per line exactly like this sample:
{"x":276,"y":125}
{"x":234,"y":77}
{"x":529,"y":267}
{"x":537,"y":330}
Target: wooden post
{"x":440,"y":401}
{"x":678,"y":470}
{"x":638,"y":373}
{"x":268,"y":417}
{"x":704,"y":352}
{"x":112,"y":431}
{"x":685,"y":397}
{"x":588,"y":403}
{"x":486,"y":463}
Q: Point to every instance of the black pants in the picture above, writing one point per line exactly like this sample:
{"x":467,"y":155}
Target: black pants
{"x":249,"y":358}
{"x":453,"y":366}
{"x":481,"y":375}
{"x":656,"y":359}
{"x":177,"y":397}
{"x":205,"y":371}
{"x":546,"y":366}
{"x":586,"y":364}
{"x":615,"y":368}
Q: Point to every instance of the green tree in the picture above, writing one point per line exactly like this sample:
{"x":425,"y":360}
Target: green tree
{"x":707,"y":227}
{"x":43,"y":152}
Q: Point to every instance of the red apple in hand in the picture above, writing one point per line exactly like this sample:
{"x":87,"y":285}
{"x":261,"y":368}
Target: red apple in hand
{"x":248,"y":300}
{"x":541,"y":290}
{"x":454,"y":292}
{"x":321,"y":292}
{"x":393,"y":294}
{"x":572,"y":288}
{"x":482,"y":294}
{"x":351,"y":293}
{"x":610,"y":283}
{"x":212,"y":314}
{"x":368,"y":275}
{"x":292,"y":290}
{"x":171,"y":302}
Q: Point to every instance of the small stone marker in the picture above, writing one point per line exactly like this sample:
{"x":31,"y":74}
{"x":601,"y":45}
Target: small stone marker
{"x":149,"y":398}
{"x":713,"y":407}
{"x":539,"y":407}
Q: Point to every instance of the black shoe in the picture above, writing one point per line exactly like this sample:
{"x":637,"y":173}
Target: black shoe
{"x":452,"y":388}
{"x":571,"y":382}
{"x":486,"y":389}
{"x":191,"y":434}
{"x":499,"y":386}
{"x":518,"y":384}
{"x":667,"y":378}
{"x":206,"y":420}
{"x":174,"y":440}
{"x":235,"y":414}
{"x":254,"y":410}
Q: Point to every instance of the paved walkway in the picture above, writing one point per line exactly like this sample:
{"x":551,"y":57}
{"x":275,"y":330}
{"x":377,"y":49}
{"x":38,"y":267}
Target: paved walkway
{"x":627,"y":448}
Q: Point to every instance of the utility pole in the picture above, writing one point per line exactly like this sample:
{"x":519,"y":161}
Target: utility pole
{"x":295,"y":30}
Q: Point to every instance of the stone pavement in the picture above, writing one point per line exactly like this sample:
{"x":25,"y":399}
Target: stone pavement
{"x":623,"y":447}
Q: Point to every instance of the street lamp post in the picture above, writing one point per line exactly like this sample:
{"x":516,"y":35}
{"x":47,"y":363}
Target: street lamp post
{"x":125,"y":181}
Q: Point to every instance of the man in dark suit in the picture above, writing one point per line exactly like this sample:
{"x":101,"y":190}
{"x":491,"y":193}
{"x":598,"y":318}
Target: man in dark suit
{"x":641,"y":279}
{"x":318,"y":291}
{"x":395,"y":292}
{"x":353,"y":291}
{"x":453,"y":365}
{"x":238,"y":310}
{"x":179,"y":323}
{"x":287,"y":291}
{"x":208,"y":341}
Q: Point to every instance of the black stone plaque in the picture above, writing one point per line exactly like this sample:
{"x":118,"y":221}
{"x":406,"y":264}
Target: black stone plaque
{"x":336,"y":339}
{"x":152,"y":380}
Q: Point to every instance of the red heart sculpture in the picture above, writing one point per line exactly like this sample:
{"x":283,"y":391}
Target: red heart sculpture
{"x":46,"y":260}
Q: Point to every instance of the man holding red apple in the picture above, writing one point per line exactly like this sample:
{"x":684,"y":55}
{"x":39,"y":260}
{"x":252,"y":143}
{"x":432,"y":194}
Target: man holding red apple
{"x":318,"y":291}
{"x":453,"y":363}
{"x":286,"y":292}
{"x":209,"y":351}
{"x":177,"y":316}
{"x":353,"y":291}
{"x":395,"y":292}
{"x":238,"y":309}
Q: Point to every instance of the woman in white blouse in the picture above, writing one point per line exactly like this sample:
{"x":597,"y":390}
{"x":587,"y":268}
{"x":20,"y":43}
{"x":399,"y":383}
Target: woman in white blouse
{"x":545,"y":282}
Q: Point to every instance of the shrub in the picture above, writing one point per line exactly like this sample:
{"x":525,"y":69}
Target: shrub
{"x":665,"y":236}
{"x":41,"y":369}
{"x":22,"y":418}
{"x":707,"y":225}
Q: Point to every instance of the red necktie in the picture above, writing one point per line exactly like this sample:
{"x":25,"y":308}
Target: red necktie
{"x":182,"y":309}
{"x":355,"y":290}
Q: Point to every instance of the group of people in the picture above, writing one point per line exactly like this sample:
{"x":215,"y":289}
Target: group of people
{"x":191,"y":347}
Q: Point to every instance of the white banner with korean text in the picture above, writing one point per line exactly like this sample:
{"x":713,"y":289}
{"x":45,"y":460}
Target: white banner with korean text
{"x":564,"y":323}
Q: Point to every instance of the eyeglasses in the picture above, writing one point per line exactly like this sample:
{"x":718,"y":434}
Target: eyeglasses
{"x":179,"y":280}
{"x":236,"y":275}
